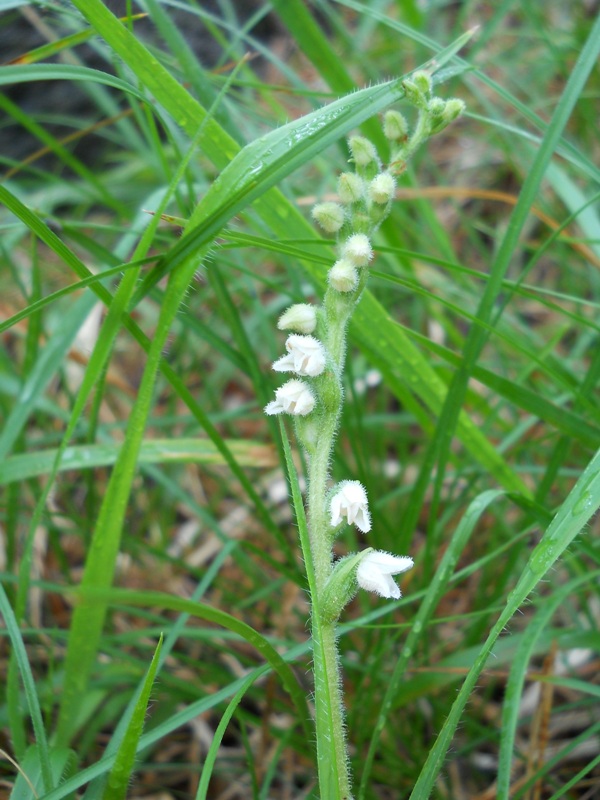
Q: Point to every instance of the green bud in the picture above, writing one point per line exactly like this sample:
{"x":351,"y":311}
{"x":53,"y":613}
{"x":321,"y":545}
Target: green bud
{"x":363,"y":151}
{"x":350,"y":187}
{"x":330,"y":216}
{"x":341,"y":586}
{"x":414,"y":95}
{"x":422,"y":81}
{"x":451,"y":109}
{"x":454,"y":108}
{"x":395,"y":126}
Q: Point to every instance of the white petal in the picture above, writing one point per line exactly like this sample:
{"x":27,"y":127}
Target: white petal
{"x":390,"y":564}
{"x":375,"y":570}
{"x":274,"y":407}
{"x":284,"y":364}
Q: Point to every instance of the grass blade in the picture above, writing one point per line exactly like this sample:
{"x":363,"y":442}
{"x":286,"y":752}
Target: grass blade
{"x":120,"y":774}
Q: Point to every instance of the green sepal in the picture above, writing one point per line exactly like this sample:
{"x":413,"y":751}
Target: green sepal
{"x":341,"y":586}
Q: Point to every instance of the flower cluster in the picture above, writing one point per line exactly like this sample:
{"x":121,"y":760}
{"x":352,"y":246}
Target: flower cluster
{"x":374,"y":567}
{"x":316,"y":345}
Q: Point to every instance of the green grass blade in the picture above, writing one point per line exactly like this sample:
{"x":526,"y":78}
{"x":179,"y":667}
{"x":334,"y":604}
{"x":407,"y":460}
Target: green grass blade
{"x":56,"y":72}
{"x":477,"y":336}
{"x":583,"y":501}
{"x":29,"y":784}
{"x":120,"y":774}
{"x":443,"y":575}
{"x":516,"y":679}
{"x":20,"y":654}
{"x":215,"y":615}
{"x":22,"y":466}
{"x":211,"y":756}
{"x":50,"y":360}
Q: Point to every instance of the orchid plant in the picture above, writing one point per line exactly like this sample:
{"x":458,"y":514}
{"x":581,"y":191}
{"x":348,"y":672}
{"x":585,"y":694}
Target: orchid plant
{"x":315,"y":356}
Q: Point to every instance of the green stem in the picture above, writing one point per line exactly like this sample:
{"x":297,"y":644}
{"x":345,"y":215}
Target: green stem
{"x":329,"y":708}
{"x":329,"y":712}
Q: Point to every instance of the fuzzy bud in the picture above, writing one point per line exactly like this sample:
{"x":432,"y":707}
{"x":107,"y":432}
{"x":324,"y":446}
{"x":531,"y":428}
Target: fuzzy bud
{"x":300,"y":317}
{"x":343,"y":276}
{"x":382,"y":188}
{"x":350,"y":187}
{"x":422,"y":81}
{"x":454,"y":108}
{"x":444,"y":112}
{"x":414,"y":95}
{"x":357,"y":249}
{"x":329,"y":216}
{"x":363,"y":151}
{"x":395,"y":126}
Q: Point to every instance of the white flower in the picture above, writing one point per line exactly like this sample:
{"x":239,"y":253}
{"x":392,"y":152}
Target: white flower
{"x":350,"y":501}
{"x":300,"y":317}
{"x":305,"y":356}
{"x":375,"y":572}
{"x":294,"y":397}
{"x":343,"y":276}
{"x":357,"y":249}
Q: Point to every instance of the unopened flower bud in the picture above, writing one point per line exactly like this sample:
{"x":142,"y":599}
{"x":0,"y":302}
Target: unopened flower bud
{"x":350,"y":187}
{"x":294,"y":397}
{"x":395,"y":126}
{"x":300,"y":317}
{"x":445,"y":113}
{"x":343,"y":276}
{"x":454,"y":108}
{"x":422,"y":81}
{"x":381,"y":188}
{"x":363,"y":151}
{"x":413,"y":94}
{"x":357,"y":249}
{"x":330,"y":216}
